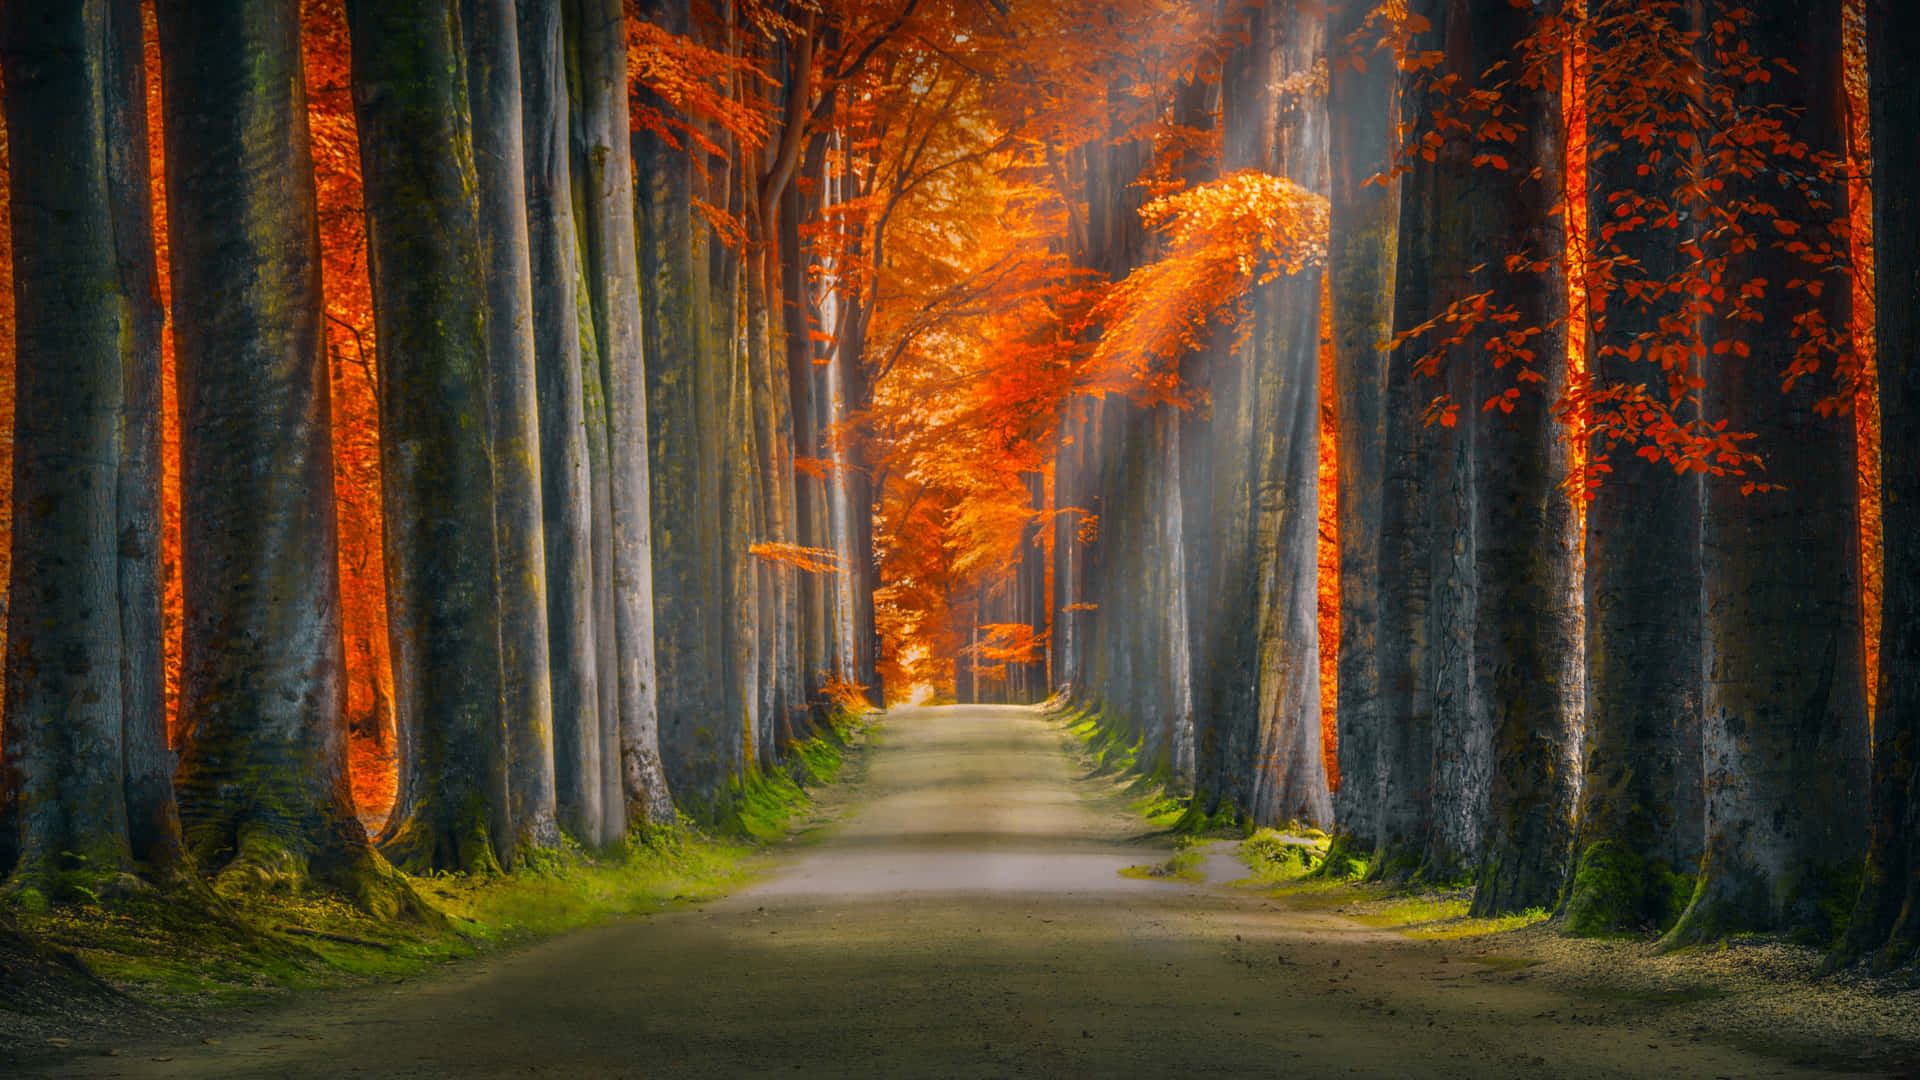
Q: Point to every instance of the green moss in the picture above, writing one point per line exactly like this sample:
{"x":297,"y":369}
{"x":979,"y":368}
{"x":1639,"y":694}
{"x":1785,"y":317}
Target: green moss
{"x":1343,"y":860}
{"x":1505,"y":963}
{"x":1617,"y":891}
{"x":1183,"y":865}
{"x":1276,"y":856}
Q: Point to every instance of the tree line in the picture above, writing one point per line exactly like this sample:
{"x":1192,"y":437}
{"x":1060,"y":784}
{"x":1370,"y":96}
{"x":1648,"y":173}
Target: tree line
{"x":1433,"y":422}
{"x":543,"y":489}
{"x":1606,"y":614}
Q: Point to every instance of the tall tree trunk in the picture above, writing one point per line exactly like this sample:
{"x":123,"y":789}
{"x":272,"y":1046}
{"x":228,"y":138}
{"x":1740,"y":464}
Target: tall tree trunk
{"x":1886,"y":919}
{"x":684,"y":416}
{"x":808,"y":488}
{"x":153,"y":815}
{"x":1637,"y":845}
{"x":1437,"y":217}
{"x":603,"y":770}
{"x":1528,"y":637}
{"x":1290,"y":777}
{"x":430,"y":306}
{"x":603,"y":165}
{"x":1786,"y":744}
{"x":566,"y":500}
{"x":263,"y":786}
{"x":493,"y":88}
{"x":1362,"y":110}
{"x":65,"y":779}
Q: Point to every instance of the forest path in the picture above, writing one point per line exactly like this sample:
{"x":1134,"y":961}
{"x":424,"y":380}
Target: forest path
{"x":965,"y":920}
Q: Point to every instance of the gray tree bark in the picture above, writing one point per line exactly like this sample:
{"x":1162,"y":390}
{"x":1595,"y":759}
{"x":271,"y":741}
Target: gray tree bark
{"x":491,"y":33}
{"x":263,"y":786}
{"x":65,"y":816}
{"x":1786,"y":740}
{"x":1638,"y":841}
{"x":604,"y":172}
{"x":428,"y":268}
{"x":566,"y":499}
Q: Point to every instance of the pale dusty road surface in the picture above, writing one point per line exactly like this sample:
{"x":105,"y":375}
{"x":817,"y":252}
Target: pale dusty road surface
{"x":967,"y":921}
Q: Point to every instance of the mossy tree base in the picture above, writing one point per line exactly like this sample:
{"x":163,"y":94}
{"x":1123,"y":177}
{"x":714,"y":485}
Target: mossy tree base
{"x":1616,"y":891}
{"x":1396,"y":864}
{"x":420,"y":845}
{"x":1346,"y":859}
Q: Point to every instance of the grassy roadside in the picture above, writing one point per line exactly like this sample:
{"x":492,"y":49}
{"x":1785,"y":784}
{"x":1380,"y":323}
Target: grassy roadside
{"x":1280,"y":862}
{"x":149,"y":955}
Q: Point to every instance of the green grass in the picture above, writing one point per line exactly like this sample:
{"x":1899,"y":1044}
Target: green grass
{"x":1276,"y":857}
{"x":1444,"y":918}
{"x":1183,"y":865}
{"x":185,"y":949}
{"x":1107,"y":748}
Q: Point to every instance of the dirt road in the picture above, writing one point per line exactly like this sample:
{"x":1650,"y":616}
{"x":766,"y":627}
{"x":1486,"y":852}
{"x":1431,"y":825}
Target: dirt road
{"x":966,"y":921}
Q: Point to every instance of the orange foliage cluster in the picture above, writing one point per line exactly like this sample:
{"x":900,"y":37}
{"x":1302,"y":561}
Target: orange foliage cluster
{"x":805,"y":559}
{"x":989,"y":326}
{"x":1640,"y":69}
{"x":1222,"y":238}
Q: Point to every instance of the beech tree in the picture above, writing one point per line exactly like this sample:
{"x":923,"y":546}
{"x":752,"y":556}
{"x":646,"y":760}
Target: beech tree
{"x":1784,"y":709}
{"x":1363,"y":78}
{"x":89,"y":790}
{"x":1526,"y":651}
{"x":603,"y":203}
{"x":567,"y":491}
{"x":430,"y":312}
{"x":1883,"y":927}
{"x":686,"y":414}
{"x":262,"y":779}
{"x":490,"y":32}
{"x":1637,"y":845}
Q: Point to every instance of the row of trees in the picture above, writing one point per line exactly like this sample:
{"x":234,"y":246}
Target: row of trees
{"x":1651,"y":707}
{"x":589,"y":406}
{"x":734,"y":358}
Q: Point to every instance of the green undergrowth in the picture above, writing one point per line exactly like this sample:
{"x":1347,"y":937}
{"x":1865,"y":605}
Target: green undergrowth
{"x":187,"y":950}
{"x":1182,"y":865}
{"x":760,"y":806}
{"x":1278,"y":856}
{"x":1294,"y":863}
{"x":1107,"y":748}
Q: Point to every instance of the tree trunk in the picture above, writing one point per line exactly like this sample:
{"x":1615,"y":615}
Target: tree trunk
{"x":153,"y":816}
{"x":1886,"y":920}
{"x":603,"y":165}
{"x":493,"y":88}
{"x":1437,"y":217}
{"x":1363,"y":243}
{"x":684,"y":416}
{"x":1290,"y":777}
{"x":1786,"y":744}
{"x":565,"y":488}
{"x":65,"y":779}
{"x":430,"y":306}
{"x":1527,"y":643}
{"x":263,"y":788}
{"x":1638,"y":842}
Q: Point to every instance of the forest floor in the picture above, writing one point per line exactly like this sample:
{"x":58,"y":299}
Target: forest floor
{"x":960,"y":909}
